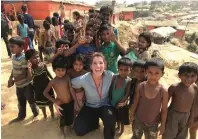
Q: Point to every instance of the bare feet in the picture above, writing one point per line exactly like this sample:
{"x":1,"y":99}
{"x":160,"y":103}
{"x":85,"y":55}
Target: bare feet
{"x":16,"y":120}
{"x":35,"y":119}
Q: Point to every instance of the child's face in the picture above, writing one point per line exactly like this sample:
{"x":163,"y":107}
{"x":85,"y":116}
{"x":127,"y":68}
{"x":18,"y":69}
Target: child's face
{"x":15,"y":49}
{"x":74,"y":17}
{"x":124,"y":71}
{"x":153,"y":74}
{"x":60,"y":72}
{"x":89,"y":36}
{"x":105,"y":35}
{"x":188,"y":78}
{"x":98,"y":66}
{"x":70,"y":36}
{"x":142,"y":43}
{"x":105,"y":16}
{"x":35,"y":59}
{"x":78,"y":65}
{"x":139,"y":73}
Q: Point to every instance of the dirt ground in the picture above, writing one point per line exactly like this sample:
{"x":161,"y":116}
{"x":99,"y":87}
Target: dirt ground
{"x":44,"y":129}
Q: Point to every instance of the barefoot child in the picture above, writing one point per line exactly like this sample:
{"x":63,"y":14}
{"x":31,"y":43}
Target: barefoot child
{"x":138,"y":70}
{"x":77,"y":71}
{"x":119,"y":93}
{"x":150,"y":104}
{"x":64,"y":101}
{"x":40,"y":76}
{"x":22,"y":78}
{"x":183,"y":94}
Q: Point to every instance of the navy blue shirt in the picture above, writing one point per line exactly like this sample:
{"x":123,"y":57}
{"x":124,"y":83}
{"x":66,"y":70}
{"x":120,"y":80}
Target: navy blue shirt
{"x":28,"y":19}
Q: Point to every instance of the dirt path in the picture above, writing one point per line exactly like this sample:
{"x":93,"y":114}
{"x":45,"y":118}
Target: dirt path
{"x":44,"y":129}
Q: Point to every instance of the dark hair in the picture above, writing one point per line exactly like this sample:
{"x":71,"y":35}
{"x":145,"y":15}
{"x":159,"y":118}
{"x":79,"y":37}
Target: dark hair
{"x":79,"y":57}
{"x":29,"y":53}
{"x":48,"y":18}
{"x":59,"y":62}
{"x":24,"y":8}
{"x":54,"y":21}
{"x":46,"y":25}
{"x":66,"y":21}
{"x":69,"y":26}
{"x":20,"y":18}
{"x":188,"y":67}
{"x":104,"y":27}
{"x":106,"y":9}
{"x":139,"y":64}
{"x":55,"y":14}
{"x":125,"y":61}
{"x":76,"y":13}
{"x":91,"y":11}
{"x":147,"y":37}
{"x":17,"y":40}
{"x":155,"y":62}
{"x":60,"y":42}
{"x":37,"y":27}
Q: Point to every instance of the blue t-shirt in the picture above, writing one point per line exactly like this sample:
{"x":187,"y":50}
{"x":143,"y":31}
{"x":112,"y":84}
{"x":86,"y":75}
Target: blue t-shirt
{"x":92,"y":98}
{"x":23,"y":30}
{"x":87,"y":52}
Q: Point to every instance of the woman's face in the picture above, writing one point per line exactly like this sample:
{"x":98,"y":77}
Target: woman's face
{"x":97,"y":66}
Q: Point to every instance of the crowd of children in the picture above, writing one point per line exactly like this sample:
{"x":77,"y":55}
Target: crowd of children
{"x":138,"y":98}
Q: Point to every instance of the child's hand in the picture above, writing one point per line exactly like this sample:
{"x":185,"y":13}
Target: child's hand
{"x":58,"y":110}
{"x":161,"y":130}
{"x":82,"y":40}
{"x":10,"y":83}
{"x":76,"y":106}
{"x":113,"y":37}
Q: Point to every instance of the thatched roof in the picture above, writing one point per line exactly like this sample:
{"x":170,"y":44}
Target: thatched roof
{"x":165,"y":23}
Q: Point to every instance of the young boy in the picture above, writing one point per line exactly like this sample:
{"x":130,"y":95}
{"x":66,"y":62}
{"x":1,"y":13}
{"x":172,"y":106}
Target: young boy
{"x":65,"y":95}
{"x":183,"y":94}
{"x":150,"y":104}
{"x":119,"y":93}
{"x":138,"y":70}
{"x":22,"y":78}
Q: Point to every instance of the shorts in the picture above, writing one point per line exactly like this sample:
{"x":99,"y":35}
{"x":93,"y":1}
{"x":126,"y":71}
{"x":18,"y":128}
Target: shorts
{"x":67,"y":117}
{"x":122,"y":115}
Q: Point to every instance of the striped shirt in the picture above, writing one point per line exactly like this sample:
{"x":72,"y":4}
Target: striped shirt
{"x":19,"y":64}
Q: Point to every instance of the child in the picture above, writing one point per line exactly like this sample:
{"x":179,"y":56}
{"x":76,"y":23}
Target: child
{"x":131,"y":54}
{"x":22,"y":30}
{"x":180,"y":114}
{"x":77,"y":71}
{"x":39,"y":38}
{"x":144,"y":43}
{"x":65,"y":95}
{"x":111,"y":47}
{"x":138,"y":70}
{"x":193,"y":129}
{"x":119,"y":92}
{"x":56,"y":26}
{"x":49,"y":38}
{"x":22,"y":78}
{"x":84,"y":46}
{"x":150,"y":104}
{"x":78,"y":23}
{"x":40,"y":77}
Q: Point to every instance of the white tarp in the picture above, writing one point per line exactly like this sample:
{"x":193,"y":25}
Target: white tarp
{"x":162,"y":31}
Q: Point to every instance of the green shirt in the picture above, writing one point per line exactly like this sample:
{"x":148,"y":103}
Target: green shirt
{"x":132,"y":56}
{"x":111,"y":53}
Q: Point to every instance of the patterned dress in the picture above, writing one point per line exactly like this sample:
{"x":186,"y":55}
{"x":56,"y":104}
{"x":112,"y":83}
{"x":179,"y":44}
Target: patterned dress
{"x":40,"y":82}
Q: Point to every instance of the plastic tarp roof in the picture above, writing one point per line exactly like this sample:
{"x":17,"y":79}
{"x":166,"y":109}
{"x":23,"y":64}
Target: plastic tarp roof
{"x":162,"y":31}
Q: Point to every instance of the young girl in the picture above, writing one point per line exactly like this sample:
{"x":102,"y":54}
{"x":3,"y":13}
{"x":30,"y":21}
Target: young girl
{"x":78,"y":23}
{"x":77,"y":71}
{"x":22,"y":30}
{"x":49,"y":39}
{"x":144,"y":43}
{"x":119,"y":92}
{"x":57,"y":29}
{"x":110,"y":47}
{"x":39,"y":38}
{"x":40,"y":77}
{"x":84,"y":46}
